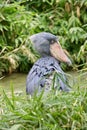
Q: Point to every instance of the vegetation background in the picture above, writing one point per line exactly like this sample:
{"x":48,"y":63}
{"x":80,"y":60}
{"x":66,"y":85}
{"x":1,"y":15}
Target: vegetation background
{"x":18,"y":20}
{"x":21,"y":18}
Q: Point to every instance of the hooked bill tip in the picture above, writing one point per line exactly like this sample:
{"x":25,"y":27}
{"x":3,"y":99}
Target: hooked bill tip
{"x":69,"y":62}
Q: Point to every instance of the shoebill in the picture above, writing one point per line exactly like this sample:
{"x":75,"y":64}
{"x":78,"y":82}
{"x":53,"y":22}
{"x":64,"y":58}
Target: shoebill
{"x":46,"y":74}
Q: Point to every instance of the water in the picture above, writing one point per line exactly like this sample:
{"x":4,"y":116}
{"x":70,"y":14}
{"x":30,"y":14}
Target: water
{"x":15,"y":80}
{"x":78,"y":79}
{"x":18,"y":81}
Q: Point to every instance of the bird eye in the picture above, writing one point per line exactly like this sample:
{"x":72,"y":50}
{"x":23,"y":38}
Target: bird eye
{"x":52,"y":41}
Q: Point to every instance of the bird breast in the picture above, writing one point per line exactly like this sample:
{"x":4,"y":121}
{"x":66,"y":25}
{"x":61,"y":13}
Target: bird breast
{"x":41,"y":76}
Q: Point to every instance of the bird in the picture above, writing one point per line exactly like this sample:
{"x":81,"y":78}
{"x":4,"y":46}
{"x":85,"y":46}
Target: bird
{"x":47,"y":69}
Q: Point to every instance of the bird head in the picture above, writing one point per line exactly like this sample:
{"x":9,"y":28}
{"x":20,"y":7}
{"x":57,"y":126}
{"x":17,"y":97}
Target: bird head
{"x":47,"y":44}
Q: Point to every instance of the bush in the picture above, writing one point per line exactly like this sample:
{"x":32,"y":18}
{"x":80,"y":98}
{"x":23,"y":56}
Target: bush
{"x":14,"y":38}
{"x":20,"y":19}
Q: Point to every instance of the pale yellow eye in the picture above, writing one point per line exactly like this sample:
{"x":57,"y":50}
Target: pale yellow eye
{"x":52,"y":41}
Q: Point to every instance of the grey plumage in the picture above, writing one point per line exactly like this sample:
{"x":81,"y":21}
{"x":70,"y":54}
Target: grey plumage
{"x":40,"y":76}
{"x":44,"y":70}
{"x":41,"y":42}
{"x":45,"y":35}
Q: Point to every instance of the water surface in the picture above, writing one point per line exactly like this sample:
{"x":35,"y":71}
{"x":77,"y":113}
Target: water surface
{"x":15,"y":80}
{"x":18,"y":81}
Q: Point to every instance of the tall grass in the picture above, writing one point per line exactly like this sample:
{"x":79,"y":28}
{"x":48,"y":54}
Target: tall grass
{"x":55,"y":111}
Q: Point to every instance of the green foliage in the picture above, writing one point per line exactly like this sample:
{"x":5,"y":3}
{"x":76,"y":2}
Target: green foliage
{"x":16,"y":50}
{"x":68,"y":20}
{"x":55,"y":111}
{"x":20,"y":19}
